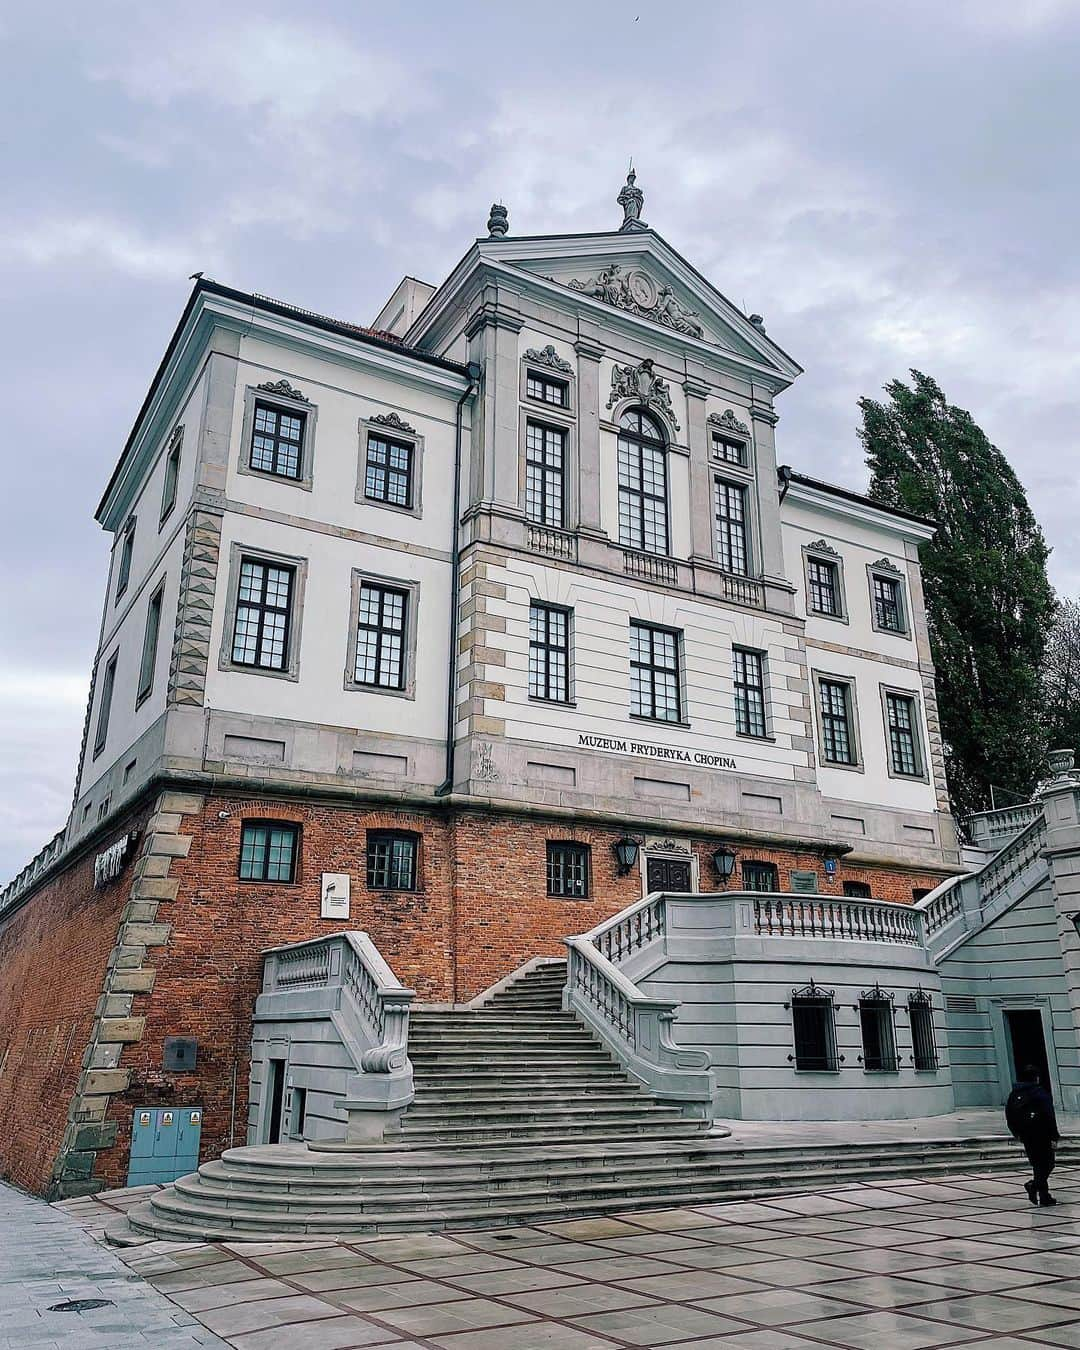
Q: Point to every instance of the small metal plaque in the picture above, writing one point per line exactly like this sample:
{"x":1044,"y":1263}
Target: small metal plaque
{"x":167,"y":1117}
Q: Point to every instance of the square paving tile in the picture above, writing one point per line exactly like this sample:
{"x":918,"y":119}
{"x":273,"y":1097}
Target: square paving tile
{"x":533,"y":1336}
{"x":613,"y":1267}
{"x":883,"y":1331}
{"x":659,"y":1326}
{"x":690,"y":1286}
{"x":350,"y":1277}
{"x":788,"y":1273}
{"x":410,"y":1294}
{"x":777,"y":1307}
{"x":257,"y":1316}
{"x":668,"y":1220}
{"x":519,"y":1281}
{"x":993,"y":1312}
{"x":333,"y":1333}
{"x":474,"y":1314}
{"x":578,"y":1300}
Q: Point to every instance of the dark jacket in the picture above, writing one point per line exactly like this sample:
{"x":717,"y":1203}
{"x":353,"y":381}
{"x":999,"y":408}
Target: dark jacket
{"x":1029,"y":1113}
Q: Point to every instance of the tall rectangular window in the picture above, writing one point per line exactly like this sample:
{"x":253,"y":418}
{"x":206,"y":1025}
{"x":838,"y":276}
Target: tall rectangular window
{"x":391,"y":860}
{"x":823,"y":582}
{"x":127,"y":548}
{"x":277,"y":440}
{"x":150,"y":644}
{"x":923,"y":1044}
{"x":642,"y":495}
{"x":814,"y":1025}
{"x":654,"y":673}
{"x":268,"y":851}
{"x":263,"y":615}
{"x":388,"y":473}
{"x":888,"y":609}
{"x":545,"y":454}
{"x":172,"y":474}
{"x":382,"y":612}
{"x":108,"y":680}
{"x":547,"y":390}
{"x":878,"y":1037}
{"x":568,"y":870}
{"x":731,"y":551}
{"x":903,"y":747}
{"x":549,"y":652}
{"x":838,"y":741}
{"x":760,"y":876}
{"x":749,"y":678}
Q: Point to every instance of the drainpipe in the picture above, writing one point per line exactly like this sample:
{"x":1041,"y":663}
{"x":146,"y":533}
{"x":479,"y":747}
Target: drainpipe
{"x":783,"y":473}
{"x":447,"y":785}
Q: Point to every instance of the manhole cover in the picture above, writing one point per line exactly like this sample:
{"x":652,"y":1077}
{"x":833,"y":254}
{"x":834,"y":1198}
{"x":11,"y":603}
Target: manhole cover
{"x":81,"y":1304}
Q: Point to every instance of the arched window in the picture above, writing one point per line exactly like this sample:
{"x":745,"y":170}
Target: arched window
{"x":642,"y":483}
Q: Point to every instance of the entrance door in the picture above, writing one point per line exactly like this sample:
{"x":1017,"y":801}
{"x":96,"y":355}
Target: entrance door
{"x":275,"y":1088}
{"x":667,"y":874}
{"x":1027,"y":1044}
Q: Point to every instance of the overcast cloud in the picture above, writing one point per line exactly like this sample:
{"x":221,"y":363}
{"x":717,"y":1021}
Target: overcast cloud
{"x":890,"y":184}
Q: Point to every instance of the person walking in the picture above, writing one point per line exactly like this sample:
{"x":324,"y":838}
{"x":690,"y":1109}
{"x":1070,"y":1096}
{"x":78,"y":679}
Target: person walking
{"x":1029,"y":1114}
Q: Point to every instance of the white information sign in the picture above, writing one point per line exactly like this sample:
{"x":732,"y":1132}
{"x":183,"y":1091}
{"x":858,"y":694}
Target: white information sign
{"x":335,"y":895}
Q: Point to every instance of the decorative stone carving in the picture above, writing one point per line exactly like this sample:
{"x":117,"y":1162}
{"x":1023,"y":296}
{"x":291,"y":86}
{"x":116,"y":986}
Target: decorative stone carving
{"x":639,"y":293}
{"x":498,"y":221}
{"x":283,"y":389}
{"x":1061,"y":763}
{"x":549,"y":357}
{"x":727,"y":421}
{"x":641,"y":384}
{"x":885,"y":565}
{"x":631,"y":199}
{"x":758,"y":322}
{"x":821,"y":546}
{"x":392,"y":420}
{"x":484,"y":770}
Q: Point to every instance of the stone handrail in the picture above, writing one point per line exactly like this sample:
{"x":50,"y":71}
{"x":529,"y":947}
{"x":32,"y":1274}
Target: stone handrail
{"x":944,"y":904}
{"x":805,"y":916}
{"x":41,"y":861}
{"x":345,"y":975}
{"x":994,"y":829}
{"x":1014,"y":858}
{"x":631,"y":929}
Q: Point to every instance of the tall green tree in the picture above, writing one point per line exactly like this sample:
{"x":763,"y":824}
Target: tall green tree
{"x":1061,"y":678}
{"x":988,"y":600}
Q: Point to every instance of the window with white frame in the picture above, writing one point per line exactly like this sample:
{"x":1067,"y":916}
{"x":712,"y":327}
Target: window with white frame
{"x":545,"y":466}
{"x":730,"y":511}
{"x":655,"y":686}
{"x":643,"y":486}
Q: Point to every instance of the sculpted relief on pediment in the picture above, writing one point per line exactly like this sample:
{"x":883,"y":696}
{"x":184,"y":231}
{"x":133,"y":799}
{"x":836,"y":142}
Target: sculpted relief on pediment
{"x":636,"y":291}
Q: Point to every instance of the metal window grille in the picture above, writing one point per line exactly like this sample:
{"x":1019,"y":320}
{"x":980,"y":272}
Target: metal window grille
{"x":878,"y":1036}
{"x":835,"y":703}
{"x":731,"y":553}
{"x":150,"y":645}
{"x":923,"y":1040}
{"x":749,"y":680}
{"x":760,"y":876}
{"x":380,"y":636}
{"x":824,"y":587}
{"x":731,"y":452}
{"x":568,"y":870}
{"x":814,"y":1026}
{"x":549,"y":652}
{"x":263,"y":615}
{"x":654,"y":673}
{"x":642,"y":484}
{"x":108,"y":680}
{"x":388,"y":473}
{"x":887,"y":604}
{"x":268,"y":852}
{"x":391,"y":861}
{"x":277,"y":440}
{"x":901,"y":715}
{"x":858,"y":890}
{"x":545,"y":454}
{"x":555,"y":392}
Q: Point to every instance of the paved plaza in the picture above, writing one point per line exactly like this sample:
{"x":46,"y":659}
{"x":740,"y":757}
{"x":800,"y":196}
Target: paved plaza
{"x":900,"y":1265}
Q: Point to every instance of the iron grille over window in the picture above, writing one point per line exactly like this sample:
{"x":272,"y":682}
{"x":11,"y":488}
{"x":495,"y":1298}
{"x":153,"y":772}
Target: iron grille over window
{"x":837,"y":741}
{"x":547,"y":390}
{"x":388,"y":473}
{"x":760,"y":876}
{"x":268,"y":851}
{"x":813,"y":1020}
{"x":887,"y":608}
{"x":749,"y":692}
{"x":858,"y":890}
{"x":731,"y":552}
{"x":731,"y":452}
{"x":277,"y":440}
{"x":549,"y":652}
{"x":923,"y":1041}
{"x":391,"y":861}
{"x":263,"y":615}
{"x":568,"y":870}
{"x":642,"y":484}
{"x":380,"y":637}
{"x":824,"y":584}
{"x":545,"y":455}
{"x":878,"y":1035}
{"x":654,"y":673}
{"x":902,"y":745}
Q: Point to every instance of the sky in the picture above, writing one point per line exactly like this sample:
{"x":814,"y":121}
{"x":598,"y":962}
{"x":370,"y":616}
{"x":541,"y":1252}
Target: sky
{"x":891,"y":185}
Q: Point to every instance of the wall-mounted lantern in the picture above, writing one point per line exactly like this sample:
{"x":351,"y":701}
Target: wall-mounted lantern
{"x":724,"y":862}
{"x":626,"y":851}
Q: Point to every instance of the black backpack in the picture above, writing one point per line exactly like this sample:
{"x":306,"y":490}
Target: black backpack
{"x":1025,"y":1111}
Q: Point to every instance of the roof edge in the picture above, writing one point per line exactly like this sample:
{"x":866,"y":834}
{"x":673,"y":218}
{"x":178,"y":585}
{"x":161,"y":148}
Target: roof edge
{"x":787,"y":474}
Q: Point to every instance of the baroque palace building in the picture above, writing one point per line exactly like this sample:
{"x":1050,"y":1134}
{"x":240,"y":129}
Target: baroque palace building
{"x":466,"y":629}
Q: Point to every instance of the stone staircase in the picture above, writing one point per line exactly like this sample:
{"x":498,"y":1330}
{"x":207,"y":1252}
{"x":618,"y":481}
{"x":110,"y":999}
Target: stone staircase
{"x":520,"y":1116}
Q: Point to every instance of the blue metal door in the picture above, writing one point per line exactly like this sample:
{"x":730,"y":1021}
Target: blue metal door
{"x":164,"y":1144}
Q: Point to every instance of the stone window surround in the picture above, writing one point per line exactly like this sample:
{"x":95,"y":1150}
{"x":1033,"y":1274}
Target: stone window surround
{"x":101,"y":731}
{"x":766,"y":693}
{"x":680,"y":656}
{"x":174,"y":445}
{"x":922,"y":776}
{"x":408,"y":655}
{"x":367,"y":426}
{"x":887,"y":574}
{"x":816,"y":676}
{"x":253,"y":394}
{"x":125,"y":540}
{"x":237,"y":553}
{"x":538,"y":412}
{"x":570,"y":701}
{"x":740,"y":478}
{"x":717,"y":462}
{"x":158,"y":593}
{"x":546,"y":372}
{"x":818,"y":554}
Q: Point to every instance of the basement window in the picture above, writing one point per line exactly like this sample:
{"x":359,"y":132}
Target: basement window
{"x":875,"y":1009}
{"x":813,"y":1018}
{"x":923,"y":1042}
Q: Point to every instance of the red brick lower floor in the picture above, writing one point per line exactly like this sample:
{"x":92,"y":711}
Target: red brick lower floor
{"x":94,"y":980}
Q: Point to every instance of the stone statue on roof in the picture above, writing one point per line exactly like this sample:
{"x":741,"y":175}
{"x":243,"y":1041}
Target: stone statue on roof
{"x":631,"y":199}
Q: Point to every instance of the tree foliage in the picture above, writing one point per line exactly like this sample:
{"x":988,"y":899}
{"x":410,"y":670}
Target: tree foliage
{"x":989,"y":603}
{"x":1061,"y":678}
